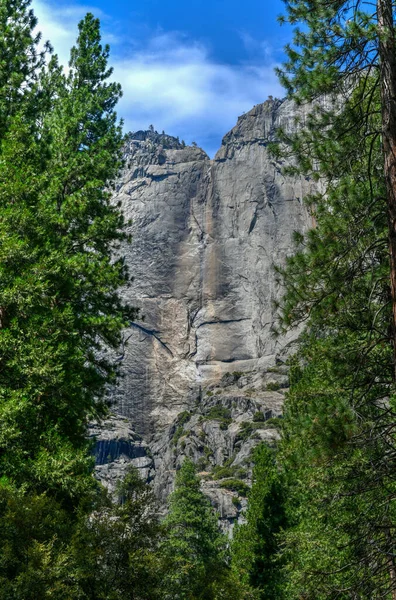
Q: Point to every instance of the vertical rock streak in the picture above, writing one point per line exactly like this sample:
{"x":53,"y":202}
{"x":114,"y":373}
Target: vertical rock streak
{"x":205,"y":235}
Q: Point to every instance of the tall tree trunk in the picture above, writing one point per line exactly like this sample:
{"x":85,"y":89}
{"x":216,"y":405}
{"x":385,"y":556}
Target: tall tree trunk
{"x":387,"y":53}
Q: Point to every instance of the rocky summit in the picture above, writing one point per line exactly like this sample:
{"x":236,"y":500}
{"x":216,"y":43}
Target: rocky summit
{"x":202,"y":374}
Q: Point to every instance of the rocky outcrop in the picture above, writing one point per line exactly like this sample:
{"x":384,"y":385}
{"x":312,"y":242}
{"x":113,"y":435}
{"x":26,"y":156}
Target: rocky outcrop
{"x":116,"y":447}
{"x":202,"y":375}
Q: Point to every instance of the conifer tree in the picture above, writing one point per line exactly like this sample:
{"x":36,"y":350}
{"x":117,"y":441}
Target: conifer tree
{"x":109,"y":551}
{"x":338,"y":440}
{"x":34,"y":533}
{"x":113,"y":554}
{"x":20,"y":62}
{"x":194,"y":549}
{"x":60,"y":312}
{"x":255,"y":547}
{"x":60,"y":307}
{"x":338,"y":506}
{"x":337,"y":45}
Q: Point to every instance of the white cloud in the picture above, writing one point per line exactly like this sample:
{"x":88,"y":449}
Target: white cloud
{"x":175,"y":85}
{"x":59,"y":26}
{"x":171,"y":82}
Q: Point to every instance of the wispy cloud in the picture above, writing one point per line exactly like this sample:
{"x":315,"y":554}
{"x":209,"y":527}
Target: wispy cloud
{"x":59,"y":26}
{"x":175,"y":84}
{"x":172,"y":82}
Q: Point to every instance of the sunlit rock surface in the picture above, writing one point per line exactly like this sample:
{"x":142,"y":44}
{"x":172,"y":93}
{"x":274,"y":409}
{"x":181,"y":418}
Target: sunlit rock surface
{"x":205,"y":236}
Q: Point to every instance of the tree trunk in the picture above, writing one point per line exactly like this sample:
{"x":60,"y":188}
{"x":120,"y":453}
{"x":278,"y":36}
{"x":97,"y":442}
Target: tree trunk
{"x":387,"y":53}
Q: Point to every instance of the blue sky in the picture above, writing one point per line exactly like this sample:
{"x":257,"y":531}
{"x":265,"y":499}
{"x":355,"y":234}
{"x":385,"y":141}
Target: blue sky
{"x":188,"y":67}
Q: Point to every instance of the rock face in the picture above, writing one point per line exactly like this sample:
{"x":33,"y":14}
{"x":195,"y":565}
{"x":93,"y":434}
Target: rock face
{"x":116,"y":448}
{"x":201,"y":364}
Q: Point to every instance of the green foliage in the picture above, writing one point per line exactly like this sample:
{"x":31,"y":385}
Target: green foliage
{"x":22,"y":61}
{"x":34,"y":533}
{"x":229,"y":471}
{"x":194,"y":549}
{"x":332,"y":43}
{"x":272,"y":386}
{"x":229,"y":461}
{"x":245,"y":431}
{"x":107,"y":550}
{"x":339,"y":411}
{"x":61,"y":318}
{"x":274,"y":422}
{"x":179,"y":433}
{"x":255,"y":547}
{"x":258,"y":416}
{"x":236,"y":486}
{"x":60,"y":309}
{"x":218,"y":412}
{"x":114,"y":551}
{"x":183,"y":417}
{"x":328,"y":452}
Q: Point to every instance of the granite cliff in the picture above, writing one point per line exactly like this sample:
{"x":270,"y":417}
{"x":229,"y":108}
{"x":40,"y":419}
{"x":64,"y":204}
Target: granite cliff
{"x":202,"y":375}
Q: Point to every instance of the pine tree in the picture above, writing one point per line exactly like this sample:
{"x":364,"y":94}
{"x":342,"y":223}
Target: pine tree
{"x":20,"y":63}
{"x":347,"y":50}
{"x":338,"y":44}
{"x":194,"y":549}
{"x":255,"y":547}
{"x":113,"y":554}
{"x":338,"y":509}
{"x":59,"y":296}
{"x":108,"y":551}
{"x":34,"y":532}
{"x":60,"y":318}
{"x":337,"y":436}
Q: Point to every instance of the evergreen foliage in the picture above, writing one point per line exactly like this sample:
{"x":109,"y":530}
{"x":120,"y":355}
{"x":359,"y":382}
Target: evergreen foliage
{"x":337,"y":449}
{"x":59,"y":304}
{"x":321,"y":517}
{"x":34,"y":532}
{"x":109,"y":552}
{"x":20,"y":63}
{"x":255,"y":549}
{"x":339,"y":415}
{"x":60,"y":317}
{"x":339,"y":481}
{"x":113,"y":554}
{"x":194,"y":550}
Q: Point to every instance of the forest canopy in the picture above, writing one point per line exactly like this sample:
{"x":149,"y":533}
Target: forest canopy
{"x":320,"y":520}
